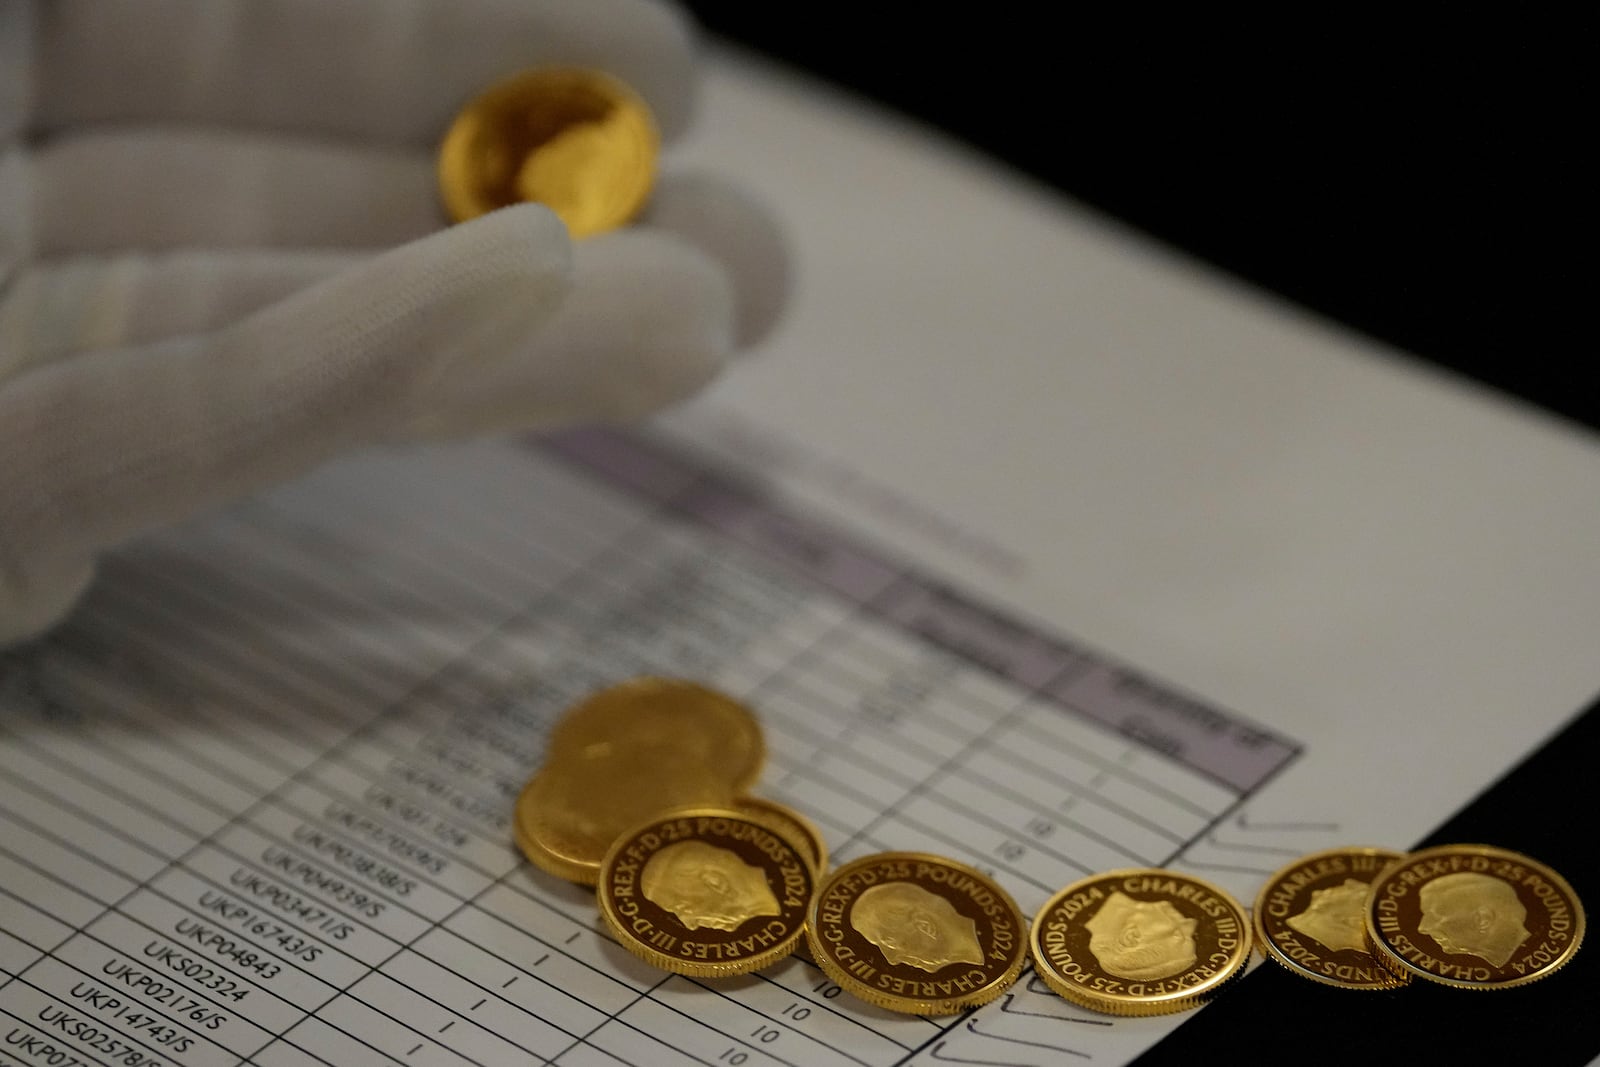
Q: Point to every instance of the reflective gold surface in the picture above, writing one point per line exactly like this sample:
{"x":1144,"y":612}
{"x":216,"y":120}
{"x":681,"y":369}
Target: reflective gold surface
{"x":578,"y":141}
{"x":1309,"y":918}
{"x":569,"y":814}
{"x":1140,"y":941}
{"x":800,"y":831}
{"x":679,"y":720}
{"x":705,"y":892}
{"x":916,"y":933}
{"x":1473,"y":916}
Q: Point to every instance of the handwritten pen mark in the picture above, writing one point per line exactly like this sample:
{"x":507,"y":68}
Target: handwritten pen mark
{"x":972,"y":1027}
{"x":1190,"y":862}
{"x":1009,"y":1008}
{"x":1239,"y":846}
{"x":1242,"y":821}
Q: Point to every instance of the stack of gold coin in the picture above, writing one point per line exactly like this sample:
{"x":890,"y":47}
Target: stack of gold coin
{"x":628,"y":753}
{"x":578,"y":141}
{"x":644,"y":794}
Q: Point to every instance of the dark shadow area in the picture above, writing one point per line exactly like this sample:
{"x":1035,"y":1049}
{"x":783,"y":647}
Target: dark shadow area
{"x":1416,"y":180}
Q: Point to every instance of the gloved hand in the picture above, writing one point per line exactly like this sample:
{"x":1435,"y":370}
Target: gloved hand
{"x":193,"y":301}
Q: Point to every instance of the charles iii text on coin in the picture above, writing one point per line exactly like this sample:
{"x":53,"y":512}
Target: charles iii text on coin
{"x":706,"y":892}
{"x":1309,"y":917}
{"x":916,"y":933}
{"x":1140,"y":941}
{"x":1474,"y":917}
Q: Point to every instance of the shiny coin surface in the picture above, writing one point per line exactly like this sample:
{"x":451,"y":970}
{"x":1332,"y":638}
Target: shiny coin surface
{"x":1309,"y":918}
{"x":1140,"y":942}
{"x":705,"y":892}
{"x":578,"y":141}
{"x":916,"y":933}
{"x":679,"y":721}
{"x":800,"y":831}
{"x":572,"y":811}
{"x":1473,"y":916}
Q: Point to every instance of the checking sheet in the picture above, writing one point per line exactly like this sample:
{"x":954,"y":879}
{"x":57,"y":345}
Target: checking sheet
{"x":258,"y":795}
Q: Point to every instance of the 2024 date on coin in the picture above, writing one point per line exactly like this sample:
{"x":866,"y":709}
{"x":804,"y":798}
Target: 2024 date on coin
{"x":1140,"y":941}
{"x":1474,"y":917}
{"x":916,"y":933}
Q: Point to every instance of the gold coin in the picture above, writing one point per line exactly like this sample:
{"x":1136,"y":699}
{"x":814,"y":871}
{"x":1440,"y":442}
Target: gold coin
{"x":569,"y":814}
{"x":1140,"y":941}
{"x":1473,"y":916}
{"x":916,"y":933}
{"x":1310,"y":918}
{"x":578,"y":141}
{"x":798,"y":830}
{"x":677,"y":720}
{"x":706,"y":892}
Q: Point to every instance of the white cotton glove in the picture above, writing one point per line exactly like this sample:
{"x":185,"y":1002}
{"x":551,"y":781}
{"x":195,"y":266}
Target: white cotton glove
{"x":195,"y":300}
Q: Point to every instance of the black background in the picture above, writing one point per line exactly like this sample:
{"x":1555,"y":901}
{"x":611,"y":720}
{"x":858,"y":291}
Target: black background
{"x":1415,"y":179}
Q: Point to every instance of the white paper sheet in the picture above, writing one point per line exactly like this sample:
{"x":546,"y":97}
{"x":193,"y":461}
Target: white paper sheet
{"x":1030,"y":545}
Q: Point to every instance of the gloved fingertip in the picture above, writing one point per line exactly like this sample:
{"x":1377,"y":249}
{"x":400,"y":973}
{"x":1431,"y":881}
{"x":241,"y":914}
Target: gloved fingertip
{"x":740,"y":233}
{"x":32,"y":604}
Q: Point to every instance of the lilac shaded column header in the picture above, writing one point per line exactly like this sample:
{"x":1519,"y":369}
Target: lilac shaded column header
{"x":1216,"y":743}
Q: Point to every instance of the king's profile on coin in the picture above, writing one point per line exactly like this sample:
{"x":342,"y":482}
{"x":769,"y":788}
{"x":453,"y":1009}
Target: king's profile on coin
{"x":1474,"y":914}
{"x":704,"y":885}
{"x":915,"y":932}
{"x":1333,"y":917}
{"x":911,"y":925}
{"x":707,"y":892}
{"x":1141,"y":939}
{"x":1474,"y":917}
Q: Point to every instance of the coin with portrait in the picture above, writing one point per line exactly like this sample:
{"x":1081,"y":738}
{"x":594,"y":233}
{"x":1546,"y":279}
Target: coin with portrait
{"x":1140,"y":941}
{"x":1473,"y":916}
{"x":1309,"y":917}
{"x":706,"y":892}
{"x":916,"y":933}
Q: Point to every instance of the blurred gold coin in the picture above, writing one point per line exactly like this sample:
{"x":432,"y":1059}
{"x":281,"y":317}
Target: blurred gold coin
{"x":1140,"y":941}
{"x":677,"y":720}
{"x":572,"y":811}
{"x":706,"y":892}
{"x":1474,"y":917}
{"x":1309,"y":918}
{"x":916,"y":933}
{"x":798,"y":830}
{"x":578,"y":141}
